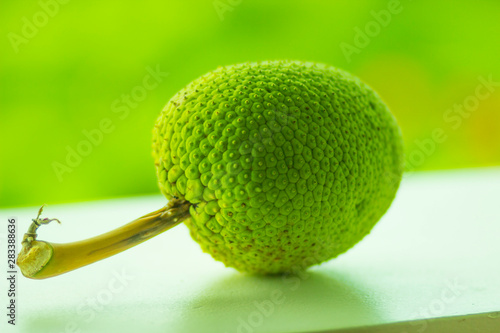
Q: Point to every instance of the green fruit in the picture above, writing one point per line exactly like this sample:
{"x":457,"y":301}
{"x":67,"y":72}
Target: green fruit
{"x":287,"y":164}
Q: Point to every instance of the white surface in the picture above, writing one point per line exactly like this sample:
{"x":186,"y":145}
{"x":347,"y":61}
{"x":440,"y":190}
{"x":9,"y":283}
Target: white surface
{"x":436,"y":253}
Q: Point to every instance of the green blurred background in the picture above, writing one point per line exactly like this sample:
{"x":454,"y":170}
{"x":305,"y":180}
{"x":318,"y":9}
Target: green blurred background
{"x":65,"y":71}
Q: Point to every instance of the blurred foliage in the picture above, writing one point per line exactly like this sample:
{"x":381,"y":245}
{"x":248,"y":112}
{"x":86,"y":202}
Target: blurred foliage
{"x":76,"y":62}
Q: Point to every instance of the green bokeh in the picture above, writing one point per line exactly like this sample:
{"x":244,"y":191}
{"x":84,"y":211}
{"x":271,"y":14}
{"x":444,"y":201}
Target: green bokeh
{"x":66,"y":75}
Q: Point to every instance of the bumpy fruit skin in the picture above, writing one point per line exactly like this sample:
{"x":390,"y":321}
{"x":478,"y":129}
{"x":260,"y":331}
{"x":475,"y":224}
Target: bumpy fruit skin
{"x":288,"y":164}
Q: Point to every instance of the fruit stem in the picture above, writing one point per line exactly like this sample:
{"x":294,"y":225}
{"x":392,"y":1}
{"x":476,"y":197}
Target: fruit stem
{"x":40,"y":259}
